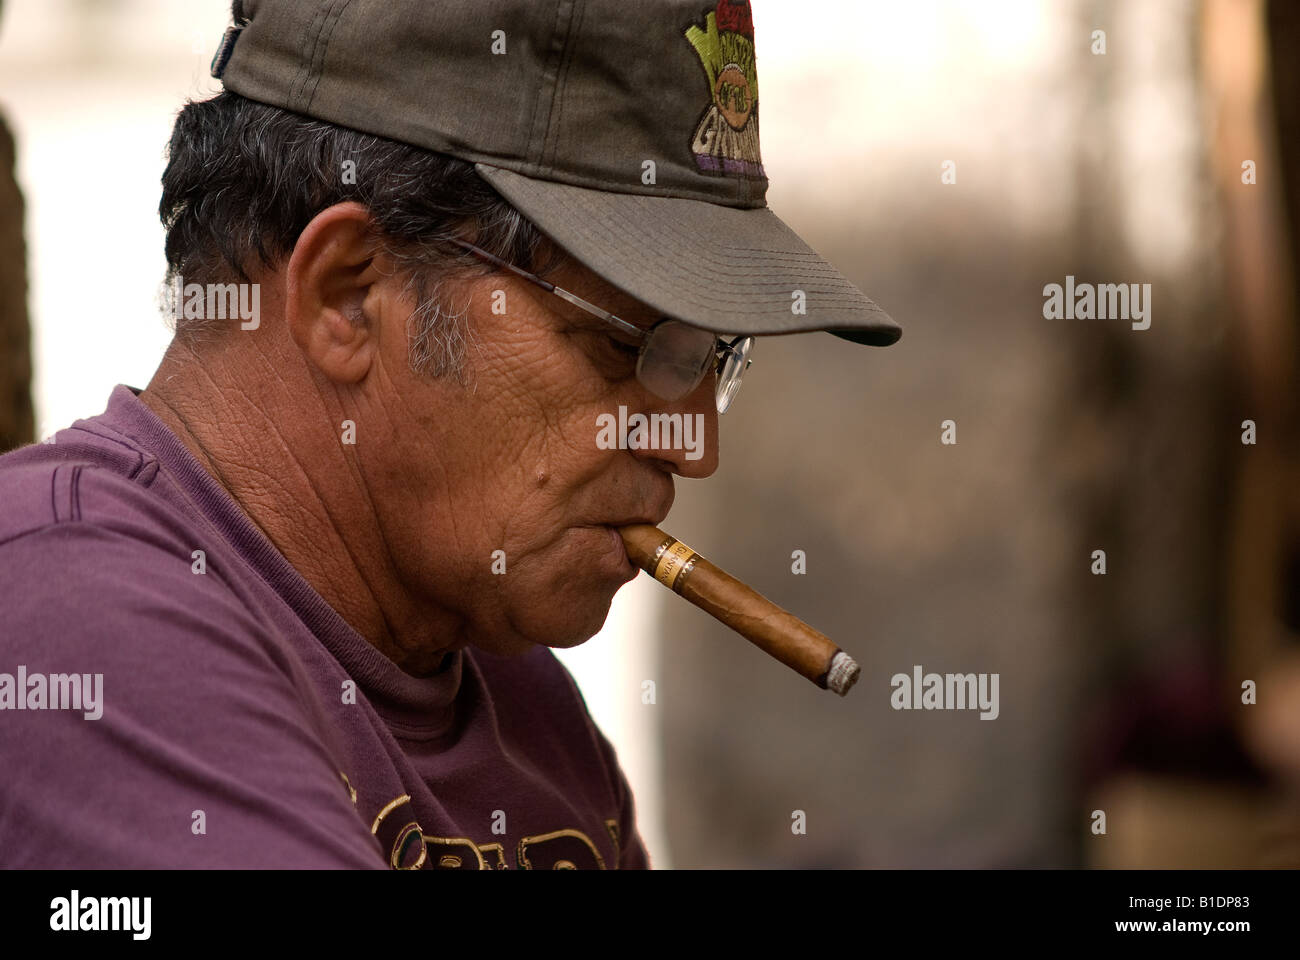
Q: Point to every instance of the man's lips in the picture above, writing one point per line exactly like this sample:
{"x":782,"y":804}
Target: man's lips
{"x":621,"y":552}
{"x":653,"y":519}
{"x":618,"y":551}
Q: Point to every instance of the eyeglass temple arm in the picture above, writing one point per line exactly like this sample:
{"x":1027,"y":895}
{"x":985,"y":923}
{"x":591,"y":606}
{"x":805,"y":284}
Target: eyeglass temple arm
{"x":546,"y":285}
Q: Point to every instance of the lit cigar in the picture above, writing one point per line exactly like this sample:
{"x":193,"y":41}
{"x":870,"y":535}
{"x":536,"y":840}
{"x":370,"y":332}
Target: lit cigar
{"x":749,"y":613}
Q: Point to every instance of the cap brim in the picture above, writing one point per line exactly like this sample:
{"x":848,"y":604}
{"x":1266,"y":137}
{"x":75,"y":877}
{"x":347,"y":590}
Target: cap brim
{"x":726,"y":269}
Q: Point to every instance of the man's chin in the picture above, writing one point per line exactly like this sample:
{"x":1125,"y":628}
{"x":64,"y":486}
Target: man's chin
{"x":544,"y":631}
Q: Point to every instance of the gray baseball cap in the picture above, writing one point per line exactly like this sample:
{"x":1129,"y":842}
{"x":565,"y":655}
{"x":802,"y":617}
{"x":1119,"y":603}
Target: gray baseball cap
{"x":626,"y":130}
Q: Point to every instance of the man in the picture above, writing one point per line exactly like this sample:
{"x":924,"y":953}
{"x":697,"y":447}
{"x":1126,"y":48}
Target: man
{"x":290,"y":605}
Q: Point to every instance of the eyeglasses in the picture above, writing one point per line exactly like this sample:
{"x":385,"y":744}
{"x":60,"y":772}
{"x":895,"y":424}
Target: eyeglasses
{"x":673,"y":357}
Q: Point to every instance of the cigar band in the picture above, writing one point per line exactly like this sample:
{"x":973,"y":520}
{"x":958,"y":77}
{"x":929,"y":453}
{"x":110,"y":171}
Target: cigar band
{"x":673,"y":561}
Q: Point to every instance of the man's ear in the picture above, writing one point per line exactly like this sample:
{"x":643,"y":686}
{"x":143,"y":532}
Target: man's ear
{"x":329,"y":273}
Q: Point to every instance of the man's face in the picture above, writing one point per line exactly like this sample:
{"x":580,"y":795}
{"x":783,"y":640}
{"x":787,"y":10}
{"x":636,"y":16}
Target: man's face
{"x":509,"y":460}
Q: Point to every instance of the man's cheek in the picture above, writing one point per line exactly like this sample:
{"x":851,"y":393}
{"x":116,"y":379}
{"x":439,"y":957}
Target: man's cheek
{"x":560,"y":579}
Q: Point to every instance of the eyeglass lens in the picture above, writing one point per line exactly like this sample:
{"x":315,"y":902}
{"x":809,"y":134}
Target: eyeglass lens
{"x":677,"y":356}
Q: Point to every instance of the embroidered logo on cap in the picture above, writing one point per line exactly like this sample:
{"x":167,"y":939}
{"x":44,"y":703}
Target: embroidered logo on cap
{"x":726,"y":139}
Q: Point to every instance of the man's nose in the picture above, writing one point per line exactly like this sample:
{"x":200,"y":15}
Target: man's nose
{"x":688,"y":435}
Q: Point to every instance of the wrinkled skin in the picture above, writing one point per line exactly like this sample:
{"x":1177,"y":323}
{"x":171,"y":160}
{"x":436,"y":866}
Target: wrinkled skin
{"x":397,"y":532}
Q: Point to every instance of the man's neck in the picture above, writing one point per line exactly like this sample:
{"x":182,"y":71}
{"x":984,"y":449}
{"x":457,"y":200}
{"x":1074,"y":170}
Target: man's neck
{"x":281,"y":460}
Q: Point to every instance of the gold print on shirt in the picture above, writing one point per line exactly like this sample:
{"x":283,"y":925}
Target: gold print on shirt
{"x":400,"y":836}
{"x":490,"y":850}
{"x":409,"y":848}
{"x":559,"y":850}
{"x":456,"y":853}
{"x":352,"y":793}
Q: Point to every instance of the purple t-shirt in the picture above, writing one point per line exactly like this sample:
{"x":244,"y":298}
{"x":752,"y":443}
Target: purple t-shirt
{"x":152,"y":715}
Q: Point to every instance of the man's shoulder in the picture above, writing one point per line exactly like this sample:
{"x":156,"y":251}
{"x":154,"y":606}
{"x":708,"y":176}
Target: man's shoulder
{"x":87,"y":479}
{"x":87,"y":539}
{"x":199,"y":704}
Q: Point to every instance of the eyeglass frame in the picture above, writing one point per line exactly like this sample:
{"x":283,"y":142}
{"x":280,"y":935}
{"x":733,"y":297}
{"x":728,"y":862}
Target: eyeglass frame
{"x":736,"y":347}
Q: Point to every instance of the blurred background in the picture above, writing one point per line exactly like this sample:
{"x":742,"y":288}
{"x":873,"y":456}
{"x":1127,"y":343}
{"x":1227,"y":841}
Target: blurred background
{"x":953,"y":158}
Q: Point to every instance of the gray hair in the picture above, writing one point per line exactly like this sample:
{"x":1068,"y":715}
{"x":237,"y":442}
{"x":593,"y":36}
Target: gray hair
{"x":244,"y":179}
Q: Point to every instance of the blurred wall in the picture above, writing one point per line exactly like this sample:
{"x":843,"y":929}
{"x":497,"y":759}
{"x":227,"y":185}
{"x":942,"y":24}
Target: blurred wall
{"x":1072,"y":435}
